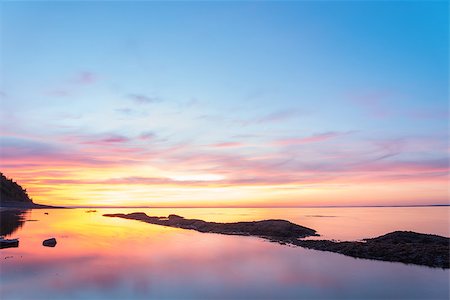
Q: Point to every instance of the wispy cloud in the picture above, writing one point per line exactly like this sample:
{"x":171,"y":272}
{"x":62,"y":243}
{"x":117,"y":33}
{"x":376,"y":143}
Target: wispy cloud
{"x":143,"y":99}
{"x":105,"y":139}
{"x":227,"y":145}
{"x":374,"y":103}
{"x":71,"y":85}
{"x":103,"y":142}
{"x":273,"y":117}
{"x":58,"y":93}
{"x":148,"y":135}
{"x":16,"y":147}
{"x":405,"y":167}
{"x":308,"y":140}
{"x":279,"y":116}
{"x":108,"y":155}
{"x":125,"y":111}
{"x":85,"y":78}
{"x":115,"y":139}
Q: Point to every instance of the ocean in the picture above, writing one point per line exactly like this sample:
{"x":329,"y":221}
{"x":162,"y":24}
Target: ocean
{"x":98,"y":257}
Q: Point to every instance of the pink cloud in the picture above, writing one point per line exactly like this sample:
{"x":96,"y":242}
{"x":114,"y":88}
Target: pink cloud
{"x":227,"y":145}
{"x":405,"y":167}
{"x":143,"y":99}
{"x":374,"y":103}
{"x":265,"y":167}
{"x":147,"y":136}
{"x":85,"y":78}
{"x":115,"y":139}
{"x":307,"y":140}
{"x":98,"y":139}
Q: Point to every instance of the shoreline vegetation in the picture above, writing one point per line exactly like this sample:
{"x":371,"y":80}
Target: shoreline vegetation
{"x":14,"y":196}
{"x":399,"y":246}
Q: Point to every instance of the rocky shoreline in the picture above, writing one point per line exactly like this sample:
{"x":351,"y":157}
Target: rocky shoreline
{"x":399,"y":246}
{"x":278,"y":229}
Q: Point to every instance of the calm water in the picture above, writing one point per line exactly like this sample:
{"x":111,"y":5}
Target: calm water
{"x":98,"y":257}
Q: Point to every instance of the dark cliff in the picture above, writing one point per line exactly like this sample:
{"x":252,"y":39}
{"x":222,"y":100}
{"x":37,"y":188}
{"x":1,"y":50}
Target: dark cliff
{"x":13,"y":196}
{"x":11,"y":191}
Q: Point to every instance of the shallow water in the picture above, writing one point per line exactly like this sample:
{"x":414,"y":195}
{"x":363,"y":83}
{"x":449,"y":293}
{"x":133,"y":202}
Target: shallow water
{"x":98,"y":257}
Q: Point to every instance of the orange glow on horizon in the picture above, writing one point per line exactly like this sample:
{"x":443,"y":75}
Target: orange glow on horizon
{"x":87,"y":188}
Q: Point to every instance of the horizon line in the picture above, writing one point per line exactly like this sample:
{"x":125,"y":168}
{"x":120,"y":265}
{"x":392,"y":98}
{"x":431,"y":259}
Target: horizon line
{"x":284,"y":206}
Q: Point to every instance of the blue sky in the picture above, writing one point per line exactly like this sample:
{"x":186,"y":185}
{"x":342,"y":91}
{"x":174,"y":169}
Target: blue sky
{"x":269,"y":80}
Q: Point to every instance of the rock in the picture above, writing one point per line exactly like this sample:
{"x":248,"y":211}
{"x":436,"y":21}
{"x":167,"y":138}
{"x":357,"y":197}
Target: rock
{"x":5,"y":243}
{"x":49,"y":242}
{"x":399,"y":246}
{"x":270,"y":229}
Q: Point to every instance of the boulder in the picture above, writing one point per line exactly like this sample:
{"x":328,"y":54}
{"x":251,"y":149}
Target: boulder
{"x":49,"y":242}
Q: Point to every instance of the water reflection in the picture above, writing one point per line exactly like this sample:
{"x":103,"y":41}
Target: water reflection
{"x":110,"y":258}
{"x":11,"y":221}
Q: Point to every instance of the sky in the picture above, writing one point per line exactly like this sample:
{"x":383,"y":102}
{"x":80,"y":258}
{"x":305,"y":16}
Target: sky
{"x":226,"y":103}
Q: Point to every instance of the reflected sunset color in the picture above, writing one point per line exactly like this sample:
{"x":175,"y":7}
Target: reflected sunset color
{"x":100,"y":257}
{"x":279,"y":149}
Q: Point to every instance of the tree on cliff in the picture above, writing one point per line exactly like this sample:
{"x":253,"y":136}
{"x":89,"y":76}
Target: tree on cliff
{"x":11,"y":191}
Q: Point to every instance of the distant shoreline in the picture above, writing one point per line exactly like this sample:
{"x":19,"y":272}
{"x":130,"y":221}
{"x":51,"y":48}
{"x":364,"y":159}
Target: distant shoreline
{"x":21,"y":205}
{"x":26,"y":205}
{"x":333,"y":206}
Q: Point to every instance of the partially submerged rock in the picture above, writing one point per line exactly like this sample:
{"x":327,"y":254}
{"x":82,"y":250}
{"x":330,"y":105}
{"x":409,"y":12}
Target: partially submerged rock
{"x":8,"y":243}
{"x":399,"y":246}
{"x":278,"y":229}
{"x":49,"y":242}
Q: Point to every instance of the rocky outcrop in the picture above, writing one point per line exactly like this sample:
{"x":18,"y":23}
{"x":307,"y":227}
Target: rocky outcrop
{"x":399,"y":246}
{"x":11,"y":191}
{"x":12,"y":195}
{"x":270,"y":229}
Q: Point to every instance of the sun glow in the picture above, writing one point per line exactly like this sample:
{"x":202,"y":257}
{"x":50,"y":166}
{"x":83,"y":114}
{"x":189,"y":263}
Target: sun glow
{"x":197,"y":177}
{"x":139,"y":120}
